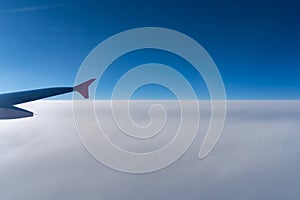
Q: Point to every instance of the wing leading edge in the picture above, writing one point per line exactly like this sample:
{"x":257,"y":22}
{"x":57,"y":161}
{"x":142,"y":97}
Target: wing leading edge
{"x":7,"y":101}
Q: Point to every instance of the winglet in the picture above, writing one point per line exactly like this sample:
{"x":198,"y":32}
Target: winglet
{"x":83,"y":88}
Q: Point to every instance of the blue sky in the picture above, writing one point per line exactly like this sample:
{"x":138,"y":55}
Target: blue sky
{"x":254,"y":44}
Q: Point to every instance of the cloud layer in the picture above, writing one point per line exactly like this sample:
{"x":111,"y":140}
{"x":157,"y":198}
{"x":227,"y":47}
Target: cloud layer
{"x":257,"y":157}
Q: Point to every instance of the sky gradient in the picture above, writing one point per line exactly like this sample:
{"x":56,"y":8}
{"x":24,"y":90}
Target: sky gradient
{"x":253,"y":43}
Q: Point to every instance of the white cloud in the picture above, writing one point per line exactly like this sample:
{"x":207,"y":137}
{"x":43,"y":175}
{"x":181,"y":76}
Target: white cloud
{"x":256,"y":158}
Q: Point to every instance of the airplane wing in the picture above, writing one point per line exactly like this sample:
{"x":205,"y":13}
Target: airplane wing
{"x":31,"y":95}
{"x":7,"y":101}
{"x":12,"y":112}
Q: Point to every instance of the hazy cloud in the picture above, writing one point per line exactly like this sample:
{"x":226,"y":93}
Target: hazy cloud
{"x":257,"y":157}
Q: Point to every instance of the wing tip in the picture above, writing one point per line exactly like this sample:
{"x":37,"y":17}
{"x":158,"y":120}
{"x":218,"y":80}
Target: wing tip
{"x":83,"y":88}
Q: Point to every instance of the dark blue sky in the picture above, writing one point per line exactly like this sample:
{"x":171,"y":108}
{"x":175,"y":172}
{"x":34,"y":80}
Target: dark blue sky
{"x":255,"y":44}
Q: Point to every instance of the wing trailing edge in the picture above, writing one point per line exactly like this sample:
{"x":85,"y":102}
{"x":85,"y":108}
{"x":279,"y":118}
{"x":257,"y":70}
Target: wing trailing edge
{"x":13,"y":112}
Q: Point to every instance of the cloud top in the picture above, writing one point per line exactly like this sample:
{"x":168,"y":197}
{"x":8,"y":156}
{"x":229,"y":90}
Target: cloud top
{"x":256,"y":158}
